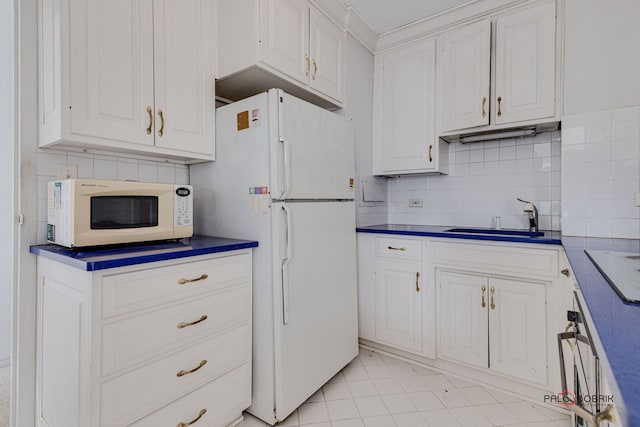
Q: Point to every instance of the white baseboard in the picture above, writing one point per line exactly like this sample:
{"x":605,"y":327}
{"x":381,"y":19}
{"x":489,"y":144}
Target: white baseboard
{"x":5,"y":362}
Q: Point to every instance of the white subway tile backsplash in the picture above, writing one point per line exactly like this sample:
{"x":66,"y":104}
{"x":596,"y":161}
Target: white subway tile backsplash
{"x":598,"y":190}
{"x":491,"y":154}
{"x":524,"y":151}
{"x":166,"y":173}
{"x":508,"y":152}
{"x":148,"y":171}
{"x":127,"y":170}
{"x":48,"y":162}
{"x":84,"y":163}
{"x":105,"y":168}
{"x":542,"y":150}
{"x":484,"y":182}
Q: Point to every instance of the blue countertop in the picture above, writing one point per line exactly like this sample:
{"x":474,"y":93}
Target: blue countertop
{"x":617,"y":323}
{"x":549,"y":238}
{"x":92,"y":259}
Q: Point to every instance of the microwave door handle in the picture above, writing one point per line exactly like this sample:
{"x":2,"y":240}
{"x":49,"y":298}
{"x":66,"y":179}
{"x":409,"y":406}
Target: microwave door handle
{"x":285,"y":267}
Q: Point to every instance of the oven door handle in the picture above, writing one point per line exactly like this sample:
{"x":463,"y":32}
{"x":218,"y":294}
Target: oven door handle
{"x":592,"y":419}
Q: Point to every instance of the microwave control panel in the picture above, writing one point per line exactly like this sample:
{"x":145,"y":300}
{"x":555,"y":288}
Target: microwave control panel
{"x":183,"y":206}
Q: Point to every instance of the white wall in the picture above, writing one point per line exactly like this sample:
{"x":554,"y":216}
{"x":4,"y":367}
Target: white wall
{"x":484,"y":180}
{"x":100,"y":166}
{"x":602,"y":64}
{"x":601,"y":122}
{"x":359,"y":108}
{"x":6,"y":174}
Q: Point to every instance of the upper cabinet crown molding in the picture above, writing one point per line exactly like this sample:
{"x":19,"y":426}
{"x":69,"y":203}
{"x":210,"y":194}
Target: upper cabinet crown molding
{"x":441,"y":22}
{"x":125,"y":76}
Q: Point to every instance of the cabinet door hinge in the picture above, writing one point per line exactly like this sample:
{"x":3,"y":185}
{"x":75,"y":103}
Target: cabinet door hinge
{"x":19,"y":219}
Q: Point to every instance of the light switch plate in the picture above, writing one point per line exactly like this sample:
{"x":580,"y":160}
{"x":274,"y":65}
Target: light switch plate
{"x":67,"y":171}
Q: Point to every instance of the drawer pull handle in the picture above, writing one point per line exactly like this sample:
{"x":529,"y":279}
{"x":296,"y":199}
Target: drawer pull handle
{"x":417,"y":281}
{"x":200,"y":415}
{"x":161,"y":114}
{"x":483,"y":304}
{"x":184,"y":324}
{"x":484,"y":102}
{"x":391,"y":248}
{"x":493,"y":291}
{"x":499,"y":106}
{"x":182,"y":373}
{"x":183,"y":281}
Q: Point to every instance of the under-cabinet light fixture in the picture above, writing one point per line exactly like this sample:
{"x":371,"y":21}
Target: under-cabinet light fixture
{"x":497,"y":135}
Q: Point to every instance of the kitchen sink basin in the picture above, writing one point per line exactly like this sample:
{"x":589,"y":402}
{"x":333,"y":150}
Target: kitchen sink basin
{"x":521,"y":233}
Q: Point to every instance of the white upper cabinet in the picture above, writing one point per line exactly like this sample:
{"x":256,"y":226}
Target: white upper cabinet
{"x":184,"y":84}
{"x":128,"y":76}
{"x":466,"y":69}
{"x":525,"y":65}
{"x":288,"y":44}
{"x":285,"y":42}
{"x":521,"y":87}
{"x":326,"y":47}
{"x":404,"y":134}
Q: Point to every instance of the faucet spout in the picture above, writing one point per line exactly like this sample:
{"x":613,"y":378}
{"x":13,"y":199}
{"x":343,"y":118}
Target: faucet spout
{"x":532,"y":212}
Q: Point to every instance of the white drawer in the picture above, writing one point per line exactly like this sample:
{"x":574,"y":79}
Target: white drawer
{"x":127,"y":292}
{"x":399,"y":248}
{"x":223,"y":399}
{"x":131,"y":396}
{"x":496,"y":259}
{"x":133,"y":340}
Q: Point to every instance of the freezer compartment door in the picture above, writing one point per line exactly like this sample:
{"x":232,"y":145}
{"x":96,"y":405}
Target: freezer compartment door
{"x":313,"y":154}
{"x":316,"y":332}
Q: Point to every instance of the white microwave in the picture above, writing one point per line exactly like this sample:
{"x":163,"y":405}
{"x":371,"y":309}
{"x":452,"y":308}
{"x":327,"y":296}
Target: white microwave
{"x":91,"y":212}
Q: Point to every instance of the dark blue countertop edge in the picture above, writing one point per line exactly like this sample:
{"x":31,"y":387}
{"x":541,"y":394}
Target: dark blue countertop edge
{"x":439,"y":231}
{"x":121,"y":256}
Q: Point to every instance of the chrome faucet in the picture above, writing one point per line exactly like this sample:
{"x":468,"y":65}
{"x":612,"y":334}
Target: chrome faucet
{"x":532,"y":211}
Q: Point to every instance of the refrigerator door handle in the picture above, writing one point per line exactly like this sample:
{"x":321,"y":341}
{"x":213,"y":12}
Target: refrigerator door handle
{"x":285,"y":167}
{"x":285,"y":267}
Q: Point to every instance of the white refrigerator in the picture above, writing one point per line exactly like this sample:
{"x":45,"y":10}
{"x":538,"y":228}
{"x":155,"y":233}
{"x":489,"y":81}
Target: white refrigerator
{"x":283,"y":175}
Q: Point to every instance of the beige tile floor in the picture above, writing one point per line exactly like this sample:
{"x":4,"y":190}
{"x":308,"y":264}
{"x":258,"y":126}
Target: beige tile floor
{"x":380,"y":391}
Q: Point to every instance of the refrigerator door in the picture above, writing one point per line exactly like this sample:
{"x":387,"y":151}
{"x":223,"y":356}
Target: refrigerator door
{"x":312,"y":156}
{"x":315,"y":301}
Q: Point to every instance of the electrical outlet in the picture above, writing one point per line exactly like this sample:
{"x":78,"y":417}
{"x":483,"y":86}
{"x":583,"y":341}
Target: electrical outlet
{"x":415,"y":203}
{"x":638,"y":199}
{"x":67,"y":171}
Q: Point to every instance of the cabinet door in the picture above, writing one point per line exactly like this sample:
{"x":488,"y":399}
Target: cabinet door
{"x":463,"y":326}
{"x":405,"y":137}
{"x":326,"y":47}
{"x":285,"y":37}
{"x":517,"y":321}
{"x":525,"y":65}
{"x":111,"y":67}
{"x":399,"y":304}
{"x":465,"y":76}
{"x":184,"y":69}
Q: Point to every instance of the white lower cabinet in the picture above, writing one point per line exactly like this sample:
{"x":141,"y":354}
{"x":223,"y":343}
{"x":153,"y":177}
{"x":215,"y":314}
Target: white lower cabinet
{"x":145,"y":345}
{"x":399,"y":304}
{"x":396,"y":301}
{"x":487,"y":310}
{"x":494,"y":323}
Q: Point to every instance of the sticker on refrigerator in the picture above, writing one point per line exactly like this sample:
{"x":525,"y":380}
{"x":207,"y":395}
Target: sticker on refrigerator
{"x":255,"y":118}
{"x":243,"y":120}
{"x":258,"y":190}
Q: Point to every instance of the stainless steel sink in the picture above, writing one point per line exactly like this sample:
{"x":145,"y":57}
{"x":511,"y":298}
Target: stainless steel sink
{"x":521,"y":233}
